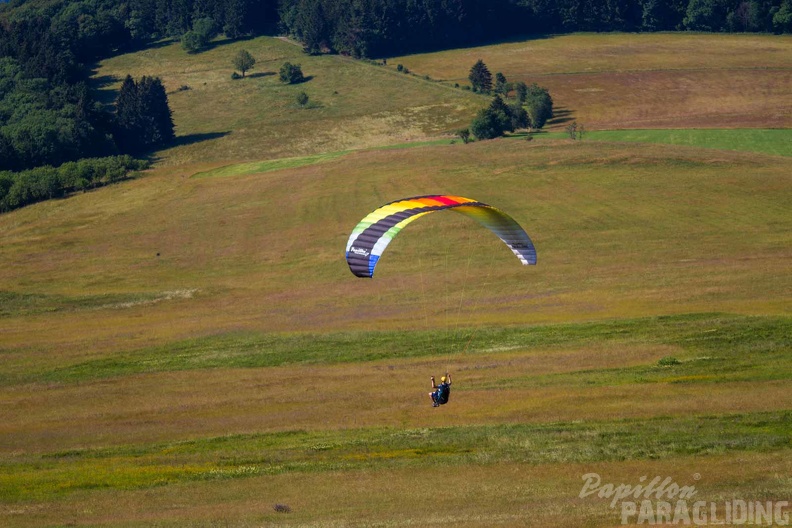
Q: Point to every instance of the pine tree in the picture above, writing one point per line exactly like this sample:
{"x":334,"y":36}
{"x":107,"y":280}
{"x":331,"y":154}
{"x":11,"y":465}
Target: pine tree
{"x":157,"y":100}
{"x":127,"y":116}
{"x":143,"y":117}
{"x":480,"y":77}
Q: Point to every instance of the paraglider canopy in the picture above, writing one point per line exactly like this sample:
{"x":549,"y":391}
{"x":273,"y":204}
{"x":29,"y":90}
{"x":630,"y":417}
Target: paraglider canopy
{"x":373,"y":234}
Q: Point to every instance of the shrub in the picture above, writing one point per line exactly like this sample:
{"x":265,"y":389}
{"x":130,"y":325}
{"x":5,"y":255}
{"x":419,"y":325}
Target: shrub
{"x":291,"y":73}
{"x":235,"y":76}
{"x":668,"y":361}
{"x":302,"y":98}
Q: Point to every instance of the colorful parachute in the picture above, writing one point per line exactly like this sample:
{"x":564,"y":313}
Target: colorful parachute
{"x":373,"y":234}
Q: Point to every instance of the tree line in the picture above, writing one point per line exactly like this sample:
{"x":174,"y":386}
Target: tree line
{"x":18,"y":189}
{"x":371,"y":28}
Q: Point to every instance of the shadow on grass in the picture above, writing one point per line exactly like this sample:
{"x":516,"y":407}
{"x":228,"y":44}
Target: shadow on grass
{"x":259,"y":74}
{"x":215,"y":44}
{"x":181,"y":141}
{"x":303,"y":81}
{"x":190,"y":139}
{"x":476,"y":43}
{"x":526,"y":134}
{"x":101,"y":87}
{"x":561,"y":116}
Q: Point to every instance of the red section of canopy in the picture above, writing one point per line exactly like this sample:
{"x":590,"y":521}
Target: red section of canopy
{"x":444,"y":200}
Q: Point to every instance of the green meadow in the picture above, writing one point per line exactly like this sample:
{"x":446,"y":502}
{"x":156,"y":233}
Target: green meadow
{"x":777,"y":142}
{"x":188,"y":347}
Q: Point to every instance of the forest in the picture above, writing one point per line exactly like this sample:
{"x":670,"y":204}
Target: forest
{"x":372,"y":28}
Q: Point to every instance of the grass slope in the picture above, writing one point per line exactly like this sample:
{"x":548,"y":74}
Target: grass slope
{"x":651,"y":80}
{"x":622,"y":230}
{"x":354,"y":104}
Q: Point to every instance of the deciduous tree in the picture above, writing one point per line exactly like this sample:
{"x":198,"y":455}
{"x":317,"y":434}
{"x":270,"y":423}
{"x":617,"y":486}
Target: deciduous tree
{"x":243,"y":61}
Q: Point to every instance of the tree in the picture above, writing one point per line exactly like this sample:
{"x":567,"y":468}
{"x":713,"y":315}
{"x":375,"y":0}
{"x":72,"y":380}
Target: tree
{"x":782,"y":19}
{"x":143,"y":117}
{"x":706,"y":15}
{"x":243,"y":61}
{"x":745,"y":17}
{"x":571,"y":129}
{"x":464,"y":135}
{"x":493,"y":121}
{"x":236,"y":12}
{"x":480,"y":77}
{"x":313,"y":26}
{"x":539,"y":105}
{"x":198,"y":38}
{"x":127,"y":115}
{"x":522,"y":91}
{"x":501,"y":85}
{"x":291,"y":73}
{"x":191,"y":42}
{"x":519,"y":116}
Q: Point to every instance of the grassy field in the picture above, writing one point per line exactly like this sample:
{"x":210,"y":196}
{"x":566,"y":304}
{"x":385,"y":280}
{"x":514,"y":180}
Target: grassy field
{"x":777,"y":142}
{"x":617,"y":81}
{"x":188,"y":348}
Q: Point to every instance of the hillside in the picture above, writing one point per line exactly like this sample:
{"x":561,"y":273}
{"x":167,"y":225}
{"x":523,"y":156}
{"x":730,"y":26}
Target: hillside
{"x":649,"y":80}
{"x":353,"y":104}
{"x":189,"y":348}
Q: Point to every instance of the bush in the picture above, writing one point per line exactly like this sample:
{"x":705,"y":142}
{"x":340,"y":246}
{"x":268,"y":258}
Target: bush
{"x":668,"y":361}
{"x":291,"y":73}
{"x":191,"y":42}
{"x":235,"y":76}
{"x":302,"y":98}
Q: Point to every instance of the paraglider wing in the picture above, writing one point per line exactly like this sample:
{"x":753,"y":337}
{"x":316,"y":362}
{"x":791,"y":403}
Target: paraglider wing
{"x":373,"y":234}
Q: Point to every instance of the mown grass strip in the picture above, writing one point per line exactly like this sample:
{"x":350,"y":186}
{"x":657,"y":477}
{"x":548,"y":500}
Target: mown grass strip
{"x":777,"y":142}
{"x":240,"y":456}
{"x":256,"y":167}
{"x":739,"y":348}
{"x":14,"y":304}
